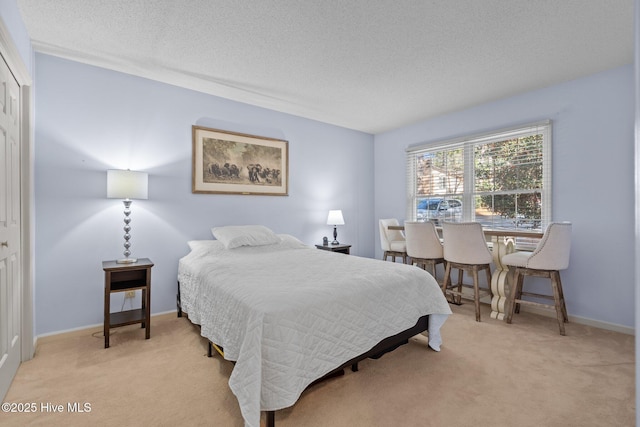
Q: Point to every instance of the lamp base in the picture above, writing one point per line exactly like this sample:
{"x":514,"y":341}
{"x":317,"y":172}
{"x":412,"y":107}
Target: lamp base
{"x":335,"y":236}
{"x":127,"y":261}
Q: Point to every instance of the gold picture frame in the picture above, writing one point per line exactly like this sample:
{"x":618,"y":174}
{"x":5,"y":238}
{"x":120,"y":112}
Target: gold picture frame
{"x":236,"y":163}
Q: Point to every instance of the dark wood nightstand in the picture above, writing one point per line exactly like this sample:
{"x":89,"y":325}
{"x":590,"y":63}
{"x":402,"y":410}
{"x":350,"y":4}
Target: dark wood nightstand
{"x":343,"y":249}
{"x":123,"y":278}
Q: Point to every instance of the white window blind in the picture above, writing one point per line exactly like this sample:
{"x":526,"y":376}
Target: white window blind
{"x":501,"y":179}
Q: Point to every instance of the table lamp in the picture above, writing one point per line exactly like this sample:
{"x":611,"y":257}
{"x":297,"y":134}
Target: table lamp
{"x":127,"y":185}
{"x":335,"y":218}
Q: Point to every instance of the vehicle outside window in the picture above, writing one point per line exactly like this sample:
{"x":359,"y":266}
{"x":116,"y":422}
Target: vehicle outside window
{"x":439,"y":209}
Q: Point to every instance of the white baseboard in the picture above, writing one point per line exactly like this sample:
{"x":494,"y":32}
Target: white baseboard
{"x":582,"y":320}
{"x":548,"y":313}
{"x":575,"y":319}
{"x":82,"y":328}
{"x":67,"y":331}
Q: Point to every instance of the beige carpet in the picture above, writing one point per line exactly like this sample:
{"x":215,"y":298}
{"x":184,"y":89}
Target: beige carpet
{"x":487,"y":374}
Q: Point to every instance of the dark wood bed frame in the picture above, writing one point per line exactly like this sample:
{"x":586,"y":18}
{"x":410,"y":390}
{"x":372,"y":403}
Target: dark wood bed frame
{"x":386,"y":345}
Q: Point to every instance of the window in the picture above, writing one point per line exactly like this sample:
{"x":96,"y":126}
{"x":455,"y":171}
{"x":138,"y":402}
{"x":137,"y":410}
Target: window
{"x":501,"y":179}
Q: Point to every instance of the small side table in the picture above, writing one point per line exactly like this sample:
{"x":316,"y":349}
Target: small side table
{"x":123,"y":278}
{"x":343,"y":249}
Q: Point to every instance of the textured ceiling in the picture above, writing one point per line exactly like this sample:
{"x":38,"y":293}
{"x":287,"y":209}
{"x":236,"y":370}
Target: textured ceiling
{"x":362,"y":64}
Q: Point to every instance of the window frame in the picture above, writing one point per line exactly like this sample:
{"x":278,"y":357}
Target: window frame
{"x":468,"y":143}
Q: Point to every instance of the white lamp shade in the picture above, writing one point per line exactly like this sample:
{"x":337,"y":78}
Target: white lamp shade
{"x":127,"y":184}
{"x":335,"y":218}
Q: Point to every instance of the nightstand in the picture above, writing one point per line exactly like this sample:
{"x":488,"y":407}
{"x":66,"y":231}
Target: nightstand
{"x":123,"y":278}
{"x":343,"y":249}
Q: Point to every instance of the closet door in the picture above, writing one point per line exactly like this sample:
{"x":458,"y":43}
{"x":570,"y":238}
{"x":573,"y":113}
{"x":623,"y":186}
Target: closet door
{"x":10,"y":262}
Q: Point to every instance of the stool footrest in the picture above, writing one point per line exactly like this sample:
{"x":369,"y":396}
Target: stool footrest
{"x":537,"y":304}
{"x":531,"y":294}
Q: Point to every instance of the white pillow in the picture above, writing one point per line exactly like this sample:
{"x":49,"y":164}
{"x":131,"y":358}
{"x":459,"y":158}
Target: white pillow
{"x":234,"y":236}
{"x":205,"y":245}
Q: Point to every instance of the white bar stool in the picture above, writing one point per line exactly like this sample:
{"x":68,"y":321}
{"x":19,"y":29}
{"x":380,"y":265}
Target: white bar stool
{"x":393,"y":241}
{"x":423,"y":245}
{"x":550,"y":256}
{"x":465,"y":248}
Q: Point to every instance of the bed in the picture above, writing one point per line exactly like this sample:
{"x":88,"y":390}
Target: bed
{"x":288,"y":314}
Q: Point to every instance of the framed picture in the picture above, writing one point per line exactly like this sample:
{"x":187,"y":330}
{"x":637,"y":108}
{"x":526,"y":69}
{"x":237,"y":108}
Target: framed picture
{"x":237,"y":163}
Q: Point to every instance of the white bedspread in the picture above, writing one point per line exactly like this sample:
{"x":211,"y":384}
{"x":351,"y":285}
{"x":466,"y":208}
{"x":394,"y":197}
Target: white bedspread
{"x":289,"y":314}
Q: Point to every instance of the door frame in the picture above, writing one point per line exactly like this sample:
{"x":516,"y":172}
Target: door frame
{"x":16,"y":64}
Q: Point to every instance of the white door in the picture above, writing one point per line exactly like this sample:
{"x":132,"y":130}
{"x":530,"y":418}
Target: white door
{"x":10,"y":280}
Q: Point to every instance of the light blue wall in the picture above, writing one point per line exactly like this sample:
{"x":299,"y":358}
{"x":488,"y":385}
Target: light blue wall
{"x":91,"y":119}
{"x":593,"y":179}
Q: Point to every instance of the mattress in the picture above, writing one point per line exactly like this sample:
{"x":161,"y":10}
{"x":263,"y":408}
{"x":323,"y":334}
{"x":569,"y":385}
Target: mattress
{"x":288,"y":314}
